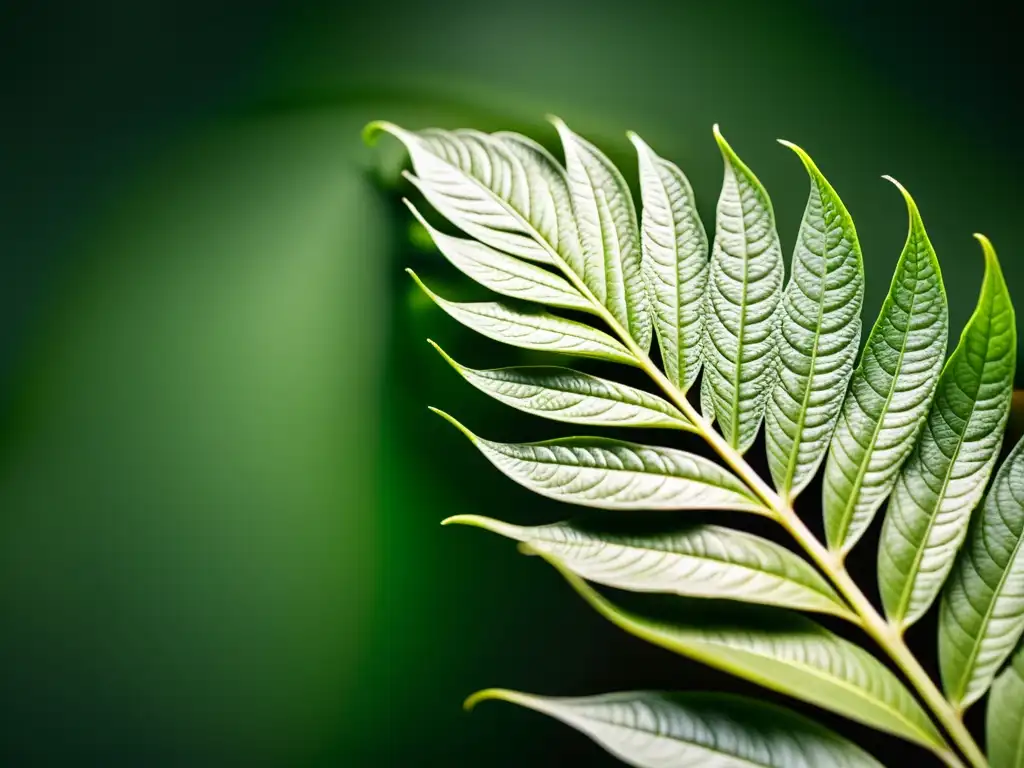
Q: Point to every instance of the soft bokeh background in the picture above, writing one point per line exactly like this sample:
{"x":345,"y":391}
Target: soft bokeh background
{"x":219,"y":484}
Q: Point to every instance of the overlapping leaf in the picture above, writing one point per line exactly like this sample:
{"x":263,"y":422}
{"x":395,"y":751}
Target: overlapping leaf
{"x":890,"y":392}
{"x":783,"y":651}
{"x":651,"y":729}
{"x":982,"y":615}
{"x":819,"y":333}
{"x":695,"y":561}
{"x":535,"y":329}
{"x":1004,"y":721}
{"x":613,"y":474}
{"x":505,"y":274}
{"x":744,"y":289}
{"x":675,"y":260}
{"x":566,"y":395}
{"x":946,"y":475}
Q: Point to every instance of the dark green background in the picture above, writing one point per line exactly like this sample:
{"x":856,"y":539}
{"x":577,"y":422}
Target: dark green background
{"x":219,"y":484}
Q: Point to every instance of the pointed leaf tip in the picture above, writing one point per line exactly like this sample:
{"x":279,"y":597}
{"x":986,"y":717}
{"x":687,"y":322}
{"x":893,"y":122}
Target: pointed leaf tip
{"x":488,"y":694}
{"x":372,"y":131}
{"x":453,"y":421}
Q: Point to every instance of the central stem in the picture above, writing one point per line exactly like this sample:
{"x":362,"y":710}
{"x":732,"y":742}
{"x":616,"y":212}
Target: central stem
{"x":883,"y":633}
{"x":831,"y":564}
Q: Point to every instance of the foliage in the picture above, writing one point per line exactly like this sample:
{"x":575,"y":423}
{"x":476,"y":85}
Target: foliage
{"x":898,"y":424}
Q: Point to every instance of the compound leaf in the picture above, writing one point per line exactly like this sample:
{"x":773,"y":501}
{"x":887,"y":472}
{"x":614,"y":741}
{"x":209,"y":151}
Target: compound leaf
{"x":891,"y":390}
{"x":743,"y":293}
{"x":819,"y":333}
{"x":651,"y":729}
{"x":945,"y":476}
{"x":613,"y":474}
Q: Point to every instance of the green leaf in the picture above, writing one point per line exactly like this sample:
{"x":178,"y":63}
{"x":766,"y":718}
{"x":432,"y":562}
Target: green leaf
{"x":505,"y":274}
{"x":783,"y":651}
{"x":603,"y":206}
{"x":675,"y":260}
{"x":946,"y":475}
{"x":651,"y":729}
{"x":1004,"y":721}
{"x":482,"y":185}
{"x":819,"y":333}
{"x":744,"y":289}
{"x":695,"y":561}
{"x":612,"y":474}
{"x":982,"y":615}
{"x":532,"y":330}
{"x":563,"y":394}
{"x":891,"y":390}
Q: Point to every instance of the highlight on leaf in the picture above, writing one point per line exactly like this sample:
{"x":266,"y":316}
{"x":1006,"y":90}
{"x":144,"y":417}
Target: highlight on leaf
{"x":899,"y":424}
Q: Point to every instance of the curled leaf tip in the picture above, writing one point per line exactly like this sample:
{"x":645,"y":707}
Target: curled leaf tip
{"x":488,"y":694}
{"x":373,"y":130}
{"x":453,"y":421}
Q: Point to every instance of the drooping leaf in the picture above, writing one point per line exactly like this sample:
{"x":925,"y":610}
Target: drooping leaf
{"x":505,"y":274}
{"x":613,"y":474}
{"x":563,"y":394}
{"x":982,"y":615}
{"x":945,"y":476}
{"x":743,"y":293}
{"x":482,"y":185}
{"x":890,"y":393}
{"x":1004,"y":720}
{"x":532,"y":330}
{"x":675,"y":260}
{"x":695,"y":561}
{"x":650,"y":729}
{"x":609,"y":234}
{"x":819,"y":334}
{"x":783,"y":651}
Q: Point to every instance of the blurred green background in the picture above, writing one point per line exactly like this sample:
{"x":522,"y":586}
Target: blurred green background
{"x":219,"y":484}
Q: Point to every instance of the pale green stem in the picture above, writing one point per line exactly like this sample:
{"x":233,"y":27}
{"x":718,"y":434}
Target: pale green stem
{"x":884,"y":634}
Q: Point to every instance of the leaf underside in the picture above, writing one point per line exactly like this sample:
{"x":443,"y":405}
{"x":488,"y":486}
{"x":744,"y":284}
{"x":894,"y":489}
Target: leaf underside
{"x":982,"y":612}
{"x":946,"y":475}
{"x":651,"y":729}
{"x":783,"y":651}
{"x":890,"y":392}
{"x":819,"y":333}
{"x":1004,"y":722}
{"x":707,"y":561}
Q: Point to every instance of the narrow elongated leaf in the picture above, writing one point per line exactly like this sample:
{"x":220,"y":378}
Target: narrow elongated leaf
{"x":563,"y":394}
{"x":609,"y":234}
{"x":505,"y":274}
{"x":650,"y":729}
{"x":532,"y":330}
{"x":819,"y":333}
{"x":946,"y":475}
{"x":890,"y":392}
{"x":695,"y":561}
{"x":613,"y":474}
{"x":492,"y":188}
{"x":675,"y":261}
{"x":1004,"y":721}
{"x":744,"y":289}
{"x":783,"y":651}
{"x":982,"y":615}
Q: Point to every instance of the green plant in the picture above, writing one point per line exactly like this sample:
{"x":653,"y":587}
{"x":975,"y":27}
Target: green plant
{"x":897,"y":425}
